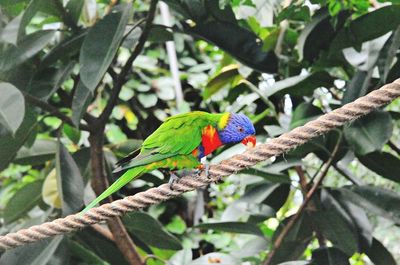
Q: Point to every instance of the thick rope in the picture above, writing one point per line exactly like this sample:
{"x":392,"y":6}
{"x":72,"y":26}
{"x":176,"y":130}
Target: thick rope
{"x":261,"y":152}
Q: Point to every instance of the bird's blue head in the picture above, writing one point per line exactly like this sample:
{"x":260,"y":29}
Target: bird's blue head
{"x":238,"y":129}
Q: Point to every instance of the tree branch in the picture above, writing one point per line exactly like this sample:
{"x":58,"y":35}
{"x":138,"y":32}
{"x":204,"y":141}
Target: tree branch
{"x":121,"y":79}
{"x":100,"y":183}
{"x":307,"y":199}
{"x":52,"y":110}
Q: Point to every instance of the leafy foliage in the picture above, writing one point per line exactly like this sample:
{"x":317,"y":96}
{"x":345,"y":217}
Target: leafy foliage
{"x":84,"y":82}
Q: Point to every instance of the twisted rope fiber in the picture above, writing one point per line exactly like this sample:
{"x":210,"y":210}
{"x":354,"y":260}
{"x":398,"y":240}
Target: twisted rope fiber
{"x":261,"y":152}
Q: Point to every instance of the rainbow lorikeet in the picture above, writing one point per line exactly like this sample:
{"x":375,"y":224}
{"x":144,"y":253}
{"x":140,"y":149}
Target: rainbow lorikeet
{"x":180,"y":143}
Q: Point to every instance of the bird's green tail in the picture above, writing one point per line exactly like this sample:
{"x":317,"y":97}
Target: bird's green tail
{"x":119,"y":183}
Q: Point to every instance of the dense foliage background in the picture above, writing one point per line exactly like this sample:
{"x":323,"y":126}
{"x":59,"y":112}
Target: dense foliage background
{"x":84,"y":82}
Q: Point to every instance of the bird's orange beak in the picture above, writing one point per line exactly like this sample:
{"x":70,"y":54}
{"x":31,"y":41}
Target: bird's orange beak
{"x":249,"y":141}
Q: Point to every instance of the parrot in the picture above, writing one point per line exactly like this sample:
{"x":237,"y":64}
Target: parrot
{"x":180,"y":143}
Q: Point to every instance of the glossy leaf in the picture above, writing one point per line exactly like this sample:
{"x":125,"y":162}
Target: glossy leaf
{"x":222,"y":79}
{"x":369,"y":133}
{"x":85,"y":254}
{"x":367,"y":27}
{"x":301,"y":85}
{"x":41,"y":151}
{"x":376,"y":200}
{"x":233,"y":227}
{"x":304,"y":113}
{"x":12,"y":107}
{"x":379,"y":254}
{"x":329,"y":256}
{"x":97,"y":52}
{"x":26,"y":48}
{"x":383,"y":164}
{"x":388,"y":54}
{"x":69,"y":181}
{"x":296,"y":241}
{"x":237,"y":41}
{"x":46,"y":82}
{"x":160,"y":34}
{"x":150,"y":231}
{"x":23,"y":201}
{"x":10,"y":145}
{"x":80,"y":102}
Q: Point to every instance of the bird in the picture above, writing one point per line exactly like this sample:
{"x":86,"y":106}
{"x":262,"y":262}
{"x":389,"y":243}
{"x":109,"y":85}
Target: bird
{"x":179,"y":144}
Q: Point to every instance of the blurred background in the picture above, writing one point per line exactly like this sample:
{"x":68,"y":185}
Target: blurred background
{"x":84,"y":82}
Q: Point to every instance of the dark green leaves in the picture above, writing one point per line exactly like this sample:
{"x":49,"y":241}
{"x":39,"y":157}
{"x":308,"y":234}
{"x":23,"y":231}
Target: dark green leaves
{"x":23,"y":201}
{"x":40,"y":152}
{"x":26,"y":48}
{"x":69,"y":181}
{"x":12,"y":107}
{"x":150,"y":231}
{"x":379,"y":255}
{"x":369,"y":133}
{"x":382,"y":163}
{"x":329,"y":256}
{"x":9,"y":145}
{"x":233,"y":227}
{"x":367,"y":27}
{"x":101,"y":44}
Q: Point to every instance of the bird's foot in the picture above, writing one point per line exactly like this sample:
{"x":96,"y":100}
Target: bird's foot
{"x":173,"y":178}
{"x":205,"y":168}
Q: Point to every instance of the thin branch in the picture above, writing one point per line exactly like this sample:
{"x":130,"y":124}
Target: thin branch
{"x":121,"y":79}
{"x":345,"y":173}
{"x":307,"y":199}
{"x":103,"y":231}
{"x":52,"y":110}
{"x":394,"y":147}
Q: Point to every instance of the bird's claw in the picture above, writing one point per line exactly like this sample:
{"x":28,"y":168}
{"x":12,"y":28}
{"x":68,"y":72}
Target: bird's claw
{"x":205,"y":168}
{"x":173,"y":178}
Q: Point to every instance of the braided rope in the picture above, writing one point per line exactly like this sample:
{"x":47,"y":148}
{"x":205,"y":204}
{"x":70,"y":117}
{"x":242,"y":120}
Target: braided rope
{"x":261,"y":152}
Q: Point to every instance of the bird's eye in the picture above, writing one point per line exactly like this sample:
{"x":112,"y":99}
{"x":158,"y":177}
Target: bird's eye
{"x":240,"y":129}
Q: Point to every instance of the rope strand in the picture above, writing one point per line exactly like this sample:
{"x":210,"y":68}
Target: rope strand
{"x":261,"y":152}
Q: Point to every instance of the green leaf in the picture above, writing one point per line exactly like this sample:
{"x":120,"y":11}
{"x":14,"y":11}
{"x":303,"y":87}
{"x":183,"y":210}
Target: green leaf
{"x":335,"y":224}
{"x":85,"y":254}
{"x":369,"y":133}
{"x":379,"y":254}
{"x":98,"y":51}
{"x":74,"y":9}
{"x":296,"y":241}
{"x":12,"y":107}
{"x":72,"y":133}
{"x":304,"y":113}
{"x":160,"y":34}
{"x":38,"y":253}
{"x":23,"y":201}
{"x":383,"y":164}
{"x":47,"y":81}
{"x":376,"y":200}
{"x":68,"y":47}
{"x":69,"y":181}
{"x":223,"y":78}
{"x":233,"y":227}
{"x":300,"y":85}
{"x":329,"y":256}
{"x":357,"y":87}
{"x":241,"y":43}
{"x":26,"y":48}
{"x":10,"y":145}
{"x":367,"y":27}
{"x":150,"y":231}
{"x":388,"y":54}
{"x":315,"y":36}
{"x":80,"y":101}
{"x":103,"y":248}
{"x":41,"y":151}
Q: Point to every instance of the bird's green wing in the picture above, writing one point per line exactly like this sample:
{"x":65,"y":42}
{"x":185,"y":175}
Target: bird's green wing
{"x":179,"y":134}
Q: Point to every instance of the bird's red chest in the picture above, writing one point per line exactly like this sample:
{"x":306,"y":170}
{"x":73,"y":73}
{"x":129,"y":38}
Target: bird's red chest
{"x":210,"y":139}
